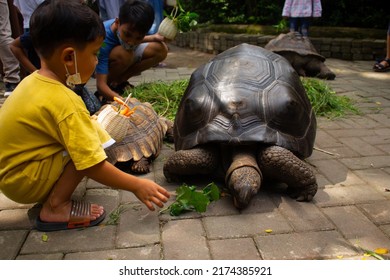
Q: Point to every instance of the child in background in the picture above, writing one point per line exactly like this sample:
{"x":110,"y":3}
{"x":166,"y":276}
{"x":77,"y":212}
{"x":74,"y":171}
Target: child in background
{"x":127,"y":50}
{"x":48,"y":141}
{"x":300,"y":12}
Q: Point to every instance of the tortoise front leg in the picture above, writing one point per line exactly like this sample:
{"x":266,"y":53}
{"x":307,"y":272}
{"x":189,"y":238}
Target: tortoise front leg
{"x":191,"y":162}
{"x":280,"y":164}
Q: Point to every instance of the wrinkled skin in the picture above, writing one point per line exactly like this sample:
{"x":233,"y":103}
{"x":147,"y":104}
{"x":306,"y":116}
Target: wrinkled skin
{"x":245,"y":175}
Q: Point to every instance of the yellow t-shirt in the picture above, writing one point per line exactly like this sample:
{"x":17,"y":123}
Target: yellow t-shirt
{"x":43,"y":124}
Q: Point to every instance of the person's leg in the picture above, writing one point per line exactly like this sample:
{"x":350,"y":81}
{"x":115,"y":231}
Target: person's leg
{"x":58,"y":205}
{"x":293,"y":24}
{"x":10,"y":63}
{"x":120,"y":63}
{"x":124,"y":64}
{"x":305,"y":23}
{"x":384,"y":65}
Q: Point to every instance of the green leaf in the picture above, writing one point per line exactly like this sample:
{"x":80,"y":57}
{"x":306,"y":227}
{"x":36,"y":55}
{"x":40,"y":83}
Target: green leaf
{"x":188,"y":198}
{"x":212,"y":191}
{"x":199,"y":202}
{"x":176,"y":208}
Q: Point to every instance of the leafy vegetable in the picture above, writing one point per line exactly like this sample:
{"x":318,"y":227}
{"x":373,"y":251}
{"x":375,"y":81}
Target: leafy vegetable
{"x":189,"y":199}
{"x":185,"y":21}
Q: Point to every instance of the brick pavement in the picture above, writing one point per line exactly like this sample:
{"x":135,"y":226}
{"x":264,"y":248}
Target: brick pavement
{"x":350,"y":210}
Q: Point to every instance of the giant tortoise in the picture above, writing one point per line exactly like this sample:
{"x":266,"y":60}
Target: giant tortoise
{"x":302,"y":55}
{"x":246,"y":116}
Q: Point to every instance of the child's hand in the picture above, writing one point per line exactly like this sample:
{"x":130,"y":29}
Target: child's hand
{"x":151,"y":193}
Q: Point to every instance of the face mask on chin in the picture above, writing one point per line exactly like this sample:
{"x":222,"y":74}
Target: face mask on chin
{"x":125,"y":45}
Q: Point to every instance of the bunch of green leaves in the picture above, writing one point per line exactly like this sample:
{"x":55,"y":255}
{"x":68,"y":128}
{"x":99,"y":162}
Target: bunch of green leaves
{"x":325,"y":101}
{"x":164,"y":97}
{"x":184,"y":20}
{"x":188,"y":198}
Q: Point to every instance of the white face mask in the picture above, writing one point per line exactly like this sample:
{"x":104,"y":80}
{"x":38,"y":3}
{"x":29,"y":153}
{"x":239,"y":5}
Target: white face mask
{"x":73,"y":79}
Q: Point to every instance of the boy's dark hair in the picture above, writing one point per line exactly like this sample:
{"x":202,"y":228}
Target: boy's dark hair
{"x":139,"y":14}
{"x":57,"y":22}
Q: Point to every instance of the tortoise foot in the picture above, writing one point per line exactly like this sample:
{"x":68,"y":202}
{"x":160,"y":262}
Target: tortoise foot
{"x":303,"y":193}
{"x":140,"y":167}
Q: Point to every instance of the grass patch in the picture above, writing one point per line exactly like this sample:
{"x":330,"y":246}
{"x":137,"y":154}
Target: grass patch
{"x":325,"y":101}
{"x":165,"y":98}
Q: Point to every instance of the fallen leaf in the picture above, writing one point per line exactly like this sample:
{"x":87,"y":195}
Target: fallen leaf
{"x":381,"y":251}
{"x":45,"y":237}
{"x":268,"y":230}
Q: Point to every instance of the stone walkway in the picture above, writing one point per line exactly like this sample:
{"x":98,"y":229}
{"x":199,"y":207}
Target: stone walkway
{"x":350,"y":211}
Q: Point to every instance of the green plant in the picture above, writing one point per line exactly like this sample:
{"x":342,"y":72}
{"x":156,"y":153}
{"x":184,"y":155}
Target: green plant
{"x":184,"y":20}
{"x":190,"y":199}
{"x":325,"y":101}
{"x":164,"y":97}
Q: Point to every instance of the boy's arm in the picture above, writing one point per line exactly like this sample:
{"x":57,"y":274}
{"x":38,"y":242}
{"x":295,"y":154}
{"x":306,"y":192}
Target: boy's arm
{"x":103,"y":88}
{"x":18,"y":51}
{"x":146,"y":190}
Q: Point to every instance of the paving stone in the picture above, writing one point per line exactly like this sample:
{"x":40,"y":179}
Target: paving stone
{"x":346,"y":195}
{"x":38,"y":257}
{"x":350,"y":132}
{"x":332,"y":153}
{"x":138,"y":226}
{"x":357,"y":228}
{"x":10,"y":243}
{"x":386,"y":229}
{"x":6,"y":203}
{"x":334,"y":171}
{"x":140,"y":253}
{"x":15,"y":219}
{"x":77,"y":240}
{"x":325,"y":140}
{"x":378,"y":212}
{"x":184,"y":240}
{"x":304,"y":245}
{"x":234,"y":249}
{"x":360,"y":146}
{"x":366,"y":162}
{"x":245,"y":225}
{"x":304,"y":216}
{"x":378,"y":178}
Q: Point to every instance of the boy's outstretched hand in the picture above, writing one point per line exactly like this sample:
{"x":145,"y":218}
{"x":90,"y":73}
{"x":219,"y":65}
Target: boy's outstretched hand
{"x":151,"y":193}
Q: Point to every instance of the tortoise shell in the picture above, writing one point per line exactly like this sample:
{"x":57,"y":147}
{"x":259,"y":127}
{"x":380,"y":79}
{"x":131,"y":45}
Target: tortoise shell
{"x":246,"y":95}
{"x":144,"y":137}
{"x":293,"y":42}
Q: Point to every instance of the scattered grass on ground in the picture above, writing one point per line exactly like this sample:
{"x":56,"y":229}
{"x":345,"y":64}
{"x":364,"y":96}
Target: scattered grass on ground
{"x":165,"y":98}
{"x":325,"y":101}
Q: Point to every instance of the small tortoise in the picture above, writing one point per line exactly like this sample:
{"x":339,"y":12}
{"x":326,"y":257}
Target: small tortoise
{"x":143,"y":140}
{"x":245,"y":115}
{"x":302,"y":55}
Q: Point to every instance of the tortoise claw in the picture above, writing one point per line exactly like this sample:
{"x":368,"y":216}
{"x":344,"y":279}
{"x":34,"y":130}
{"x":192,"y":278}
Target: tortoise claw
{"x":303,"y":194}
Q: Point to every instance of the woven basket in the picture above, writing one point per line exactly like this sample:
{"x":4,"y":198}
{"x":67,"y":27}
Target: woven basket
{"x":168,"y":29}
{"x":115,"y":124}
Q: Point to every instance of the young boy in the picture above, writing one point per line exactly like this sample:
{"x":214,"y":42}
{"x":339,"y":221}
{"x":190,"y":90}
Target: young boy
{"x":126,"y":51}
{"x":48,"y":141}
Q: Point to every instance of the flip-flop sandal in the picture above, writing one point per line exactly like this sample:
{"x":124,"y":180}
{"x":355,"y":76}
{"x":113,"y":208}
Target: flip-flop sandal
{"x":79,"y":218}
{"x":379,"y":67}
